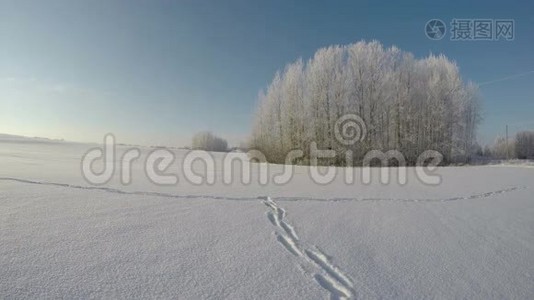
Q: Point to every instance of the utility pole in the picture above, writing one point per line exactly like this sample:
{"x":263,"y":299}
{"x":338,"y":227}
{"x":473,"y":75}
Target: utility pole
{"x":507,"y":154}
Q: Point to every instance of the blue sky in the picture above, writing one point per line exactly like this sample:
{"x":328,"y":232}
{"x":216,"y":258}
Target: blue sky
{"x":155,"y":72}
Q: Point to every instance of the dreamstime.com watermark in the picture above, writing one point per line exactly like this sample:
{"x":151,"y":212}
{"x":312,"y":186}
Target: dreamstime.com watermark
{"x":349,"y":130}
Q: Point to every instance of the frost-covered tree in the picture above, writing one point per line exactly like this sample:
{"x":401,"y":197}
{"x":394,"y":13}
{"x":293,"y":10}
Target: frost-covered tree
{"x":503,"y":149}
{"x":209,"y":142}
{"x":407,"y":104}
{"x":524,"y":145}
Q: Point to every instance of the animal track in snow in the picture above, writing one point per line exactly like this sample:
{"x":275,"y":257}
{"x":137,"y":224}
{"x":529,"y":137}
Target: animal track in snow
{"x":289,"y":243}
{"x":336,"y":291}
{"x":273,"y":218}
{"x":280,"y":212}
{"x":329,"y":277}
{"x":321,"y":260}
{"x":289,"y":230}
{"x":467,"y":197}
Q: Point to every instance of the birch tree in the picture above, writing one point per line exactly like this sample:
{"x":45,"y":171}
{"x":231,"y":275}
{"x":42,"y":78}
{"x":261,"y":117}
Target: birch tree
{"x":410,"y":105}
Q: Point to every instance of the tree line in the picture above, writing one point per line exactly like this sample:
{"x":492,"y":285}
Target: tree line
{"x":519,"y":147}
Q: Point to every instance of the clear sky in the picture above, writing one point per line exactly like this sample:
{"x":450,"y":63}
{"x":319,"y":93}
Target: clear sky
{"x":155,"y":72}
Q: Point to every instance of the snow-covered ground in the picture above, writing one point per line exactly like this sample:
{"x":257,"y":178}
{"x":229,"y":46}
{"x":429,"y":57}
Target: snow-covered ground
{"x":472,"y":236}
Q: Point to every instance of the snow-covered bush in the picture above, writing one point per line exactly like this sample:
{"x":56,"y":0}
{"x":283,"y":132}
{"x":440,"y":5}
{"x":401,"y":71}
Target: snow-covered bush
{"x":209,"y":142}
{"x":503,"y":149}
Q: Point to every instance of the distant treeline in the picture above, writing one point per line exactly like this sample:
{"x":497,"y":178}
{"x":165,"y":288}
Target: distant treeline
{"x":521,"y":146}
{"x":209,"y":142}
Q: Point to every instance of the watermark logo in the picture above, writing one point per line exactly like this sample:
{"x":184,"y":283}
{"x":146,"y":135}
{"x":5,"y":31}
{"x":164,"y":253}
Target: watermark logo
{"x":435,"y":29}
{"x":164,"y":167}
{"x":350,"y":129}
{"x":472,"y":29}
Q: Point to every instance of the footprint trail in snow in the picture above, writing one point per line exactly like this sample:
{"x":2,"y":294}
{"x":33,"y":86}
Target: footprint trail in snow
{"x":328,"y":276}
